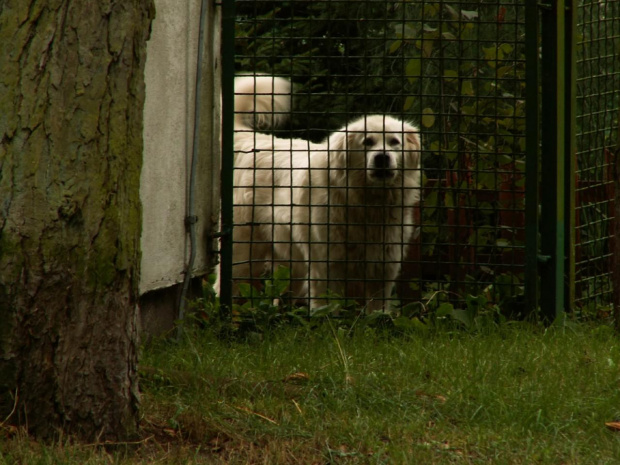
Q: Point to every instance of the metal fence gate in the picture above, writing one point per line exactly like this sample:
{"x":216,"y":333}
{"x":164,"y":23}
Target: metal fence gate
{"x":597,"y":82}
{"x":517,"y":104}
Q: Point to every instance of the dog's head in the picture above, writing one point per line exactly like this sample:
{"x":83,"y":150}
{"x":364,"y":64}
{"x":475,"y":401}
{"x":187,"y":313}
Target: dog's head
{"x":377,"y":150}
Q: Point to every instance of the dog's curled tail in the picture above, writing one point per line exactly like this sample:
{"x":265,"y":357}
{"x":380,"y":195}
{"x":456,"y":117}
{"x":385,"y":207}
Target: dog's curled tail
{"x":261,"y":102}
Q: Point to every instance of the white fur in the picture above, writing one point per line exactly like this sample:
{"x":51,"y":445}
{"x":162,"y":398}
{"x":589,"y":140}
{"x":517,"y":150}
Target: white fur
{"x":261,"y":102}
{"x":339,"y":213}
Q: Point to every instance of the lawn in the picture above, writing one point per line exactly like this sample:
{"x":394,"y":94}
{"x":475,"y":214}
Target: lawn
{"x":517,"y":393}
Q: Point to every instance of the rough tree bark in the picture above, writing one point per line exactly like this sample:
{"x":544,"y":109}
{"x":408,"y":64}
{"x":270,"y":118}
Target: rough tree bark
{"x":71,"y":99}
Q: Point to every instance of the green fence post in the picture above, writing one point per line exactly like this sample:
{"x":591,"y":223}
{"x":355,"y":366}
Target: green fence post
{"x":553,"y":149}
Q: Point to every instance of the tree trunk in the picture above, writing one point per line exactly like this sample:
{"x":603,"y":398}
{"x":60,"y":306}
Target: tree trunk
{"x":71,"y":99}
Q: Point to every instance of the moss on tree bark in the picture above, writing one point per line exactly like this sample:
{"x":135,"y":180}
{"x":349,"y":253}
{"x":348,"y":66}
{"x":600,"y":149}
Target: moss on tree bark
{"x":71,"y":100}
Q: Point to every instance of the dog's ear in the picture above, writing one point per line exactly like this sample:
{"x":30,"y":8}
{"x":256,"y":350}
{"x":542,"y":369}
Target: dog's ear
{"x":338,"y":141}
{"x":414,"y":146}
{"x":412,"y":142}
{"x":412,"y":136}
{"x":337,"y":146}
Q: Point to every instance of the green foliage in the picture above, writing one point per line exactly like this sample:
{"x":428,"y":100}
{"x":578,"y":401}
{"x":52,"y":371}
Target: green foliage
{"x":441,"y":309}
{"x":267,"y":306}
{"x":260,"y":309}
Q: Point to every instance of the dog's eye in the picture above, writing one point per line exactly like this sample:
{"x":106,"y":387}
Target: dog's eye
{"x":394,"y":141}
{"x":369,"y":141}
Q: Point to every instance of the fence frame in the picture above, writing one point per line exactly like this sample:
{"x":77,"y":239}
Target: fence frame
{"x":557,"y":126}
{"x":550,"y":48}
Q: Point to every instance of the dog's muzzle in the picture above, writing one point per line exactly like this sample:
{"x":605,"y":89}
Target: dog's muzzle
{"x":382,"y":166}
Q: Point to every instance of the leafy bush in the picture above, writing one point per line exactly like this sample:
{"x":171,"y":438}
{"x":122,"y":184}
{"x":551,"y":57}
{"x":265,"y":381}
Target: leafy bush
{"x":261,"y":309}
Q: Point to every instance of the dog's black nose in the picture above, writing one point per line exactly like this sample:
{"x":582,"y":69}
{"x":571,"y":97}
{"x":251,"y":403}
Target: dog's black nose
{"x":382,"y":166}
{"x":381,"y":161}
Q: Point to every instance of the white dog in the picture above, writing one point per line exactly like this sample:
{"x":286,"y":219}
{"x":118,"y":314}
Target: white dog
{"x":339,"y":214}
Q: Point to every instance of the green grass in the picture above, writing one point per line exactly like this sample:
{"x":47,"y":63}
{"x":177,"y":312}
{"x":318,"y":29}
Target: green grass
{"x":515,"y":394}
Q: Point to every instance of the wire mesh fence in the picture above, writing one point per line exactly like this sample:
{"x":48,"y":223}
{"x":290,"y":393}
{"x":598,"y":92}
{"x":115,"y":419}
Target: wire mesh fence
{"x":456,"y":70}
{"x":598,"y":103}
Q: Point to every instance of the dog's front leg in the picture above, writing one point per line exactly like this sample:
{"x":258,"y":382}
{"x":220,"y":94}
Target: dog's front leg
{"x":378,"y":298}
{"x":379,"y":293}
{"x":317,"y":284}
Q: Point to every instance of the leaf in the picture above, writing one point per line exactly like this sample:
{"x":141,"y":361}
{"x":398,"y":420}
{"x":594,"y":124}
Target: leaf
{"x":450,"y":75}
{"x":505,"y":71}
{"x":430,"y":200}
{"x":505,"y":159}
{"x":449,"y":200}
{"x":410,"y":32}
{"x":297,"y":377}
{"x":404,"y":323}
{"x":506,"y":49}
{"x":325,"y":310}
{"x":428,"y":117}
{"x":613,"y":425}
{"x":438,"y":397}
{"x":468,"y":110}
{"x":475,"y":303}
{"x":245,"y":290}
{"x":452,"y":12}
{"x":395,"y":46}
{"x":467,"y":88}
{"x":413,"y":69}
{"x":431,"y":10}
{"x":469,"y":14}
{"x":377,"y":317}
{"x":408,"y":103}
{"x":428,"y":43}
{"x":490,"y":53}
{"x":445,"y":309}
{"x":281,"y":279}
{"x":463,"y":316}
